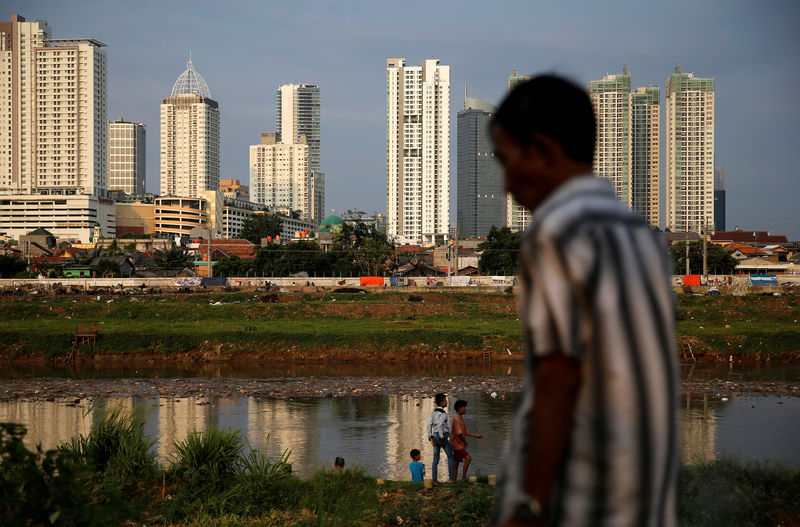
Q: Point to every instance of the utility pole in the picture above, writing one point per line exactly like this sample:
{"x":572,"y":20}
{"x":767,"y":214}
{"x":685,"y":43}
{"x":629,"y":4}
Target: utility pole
{"x":705,"y":254}
{"x":687,"y":254}
{"x":210,"y":272}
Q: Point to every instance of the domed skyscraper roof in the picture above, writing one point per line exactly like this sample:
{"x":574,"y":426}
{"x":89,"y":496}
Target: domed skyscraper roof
{"x":190,"y":83}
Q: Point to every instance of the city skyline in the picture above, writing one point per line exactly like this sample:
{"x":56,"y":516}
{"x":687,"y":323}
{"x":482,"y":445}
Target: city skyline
{"x":725,"y":41}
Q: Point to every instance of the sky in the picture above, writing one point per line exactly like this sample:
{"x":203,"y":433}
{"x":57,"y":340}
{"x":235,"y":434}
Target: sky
{"x":246,"y":49}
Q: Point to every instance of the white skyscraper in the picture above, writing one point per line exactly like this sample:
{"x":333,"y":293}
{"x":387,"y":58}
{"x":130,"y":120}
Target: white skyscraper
{"x":126,"y":157}
{"x":189,"y":138}
{"x":417,"y":151}
{"x":627,"y":151}
{"x":299,"y":114}
{"x":279,"y":174}
{"x":690,"y":152}
{"x":52,"y":112}
{"x":611,"y":99}
{"x":53,"y":133}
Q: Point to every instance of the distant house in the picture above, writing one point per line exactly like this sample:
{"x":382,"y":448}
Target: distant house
{"x":78,"y":271}
{"x":39,"y":242}
{"x":124,"y":263}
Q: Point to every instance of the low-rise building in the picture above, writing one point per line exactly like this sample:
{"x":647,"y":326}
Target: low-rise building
{"x":67,"y":217}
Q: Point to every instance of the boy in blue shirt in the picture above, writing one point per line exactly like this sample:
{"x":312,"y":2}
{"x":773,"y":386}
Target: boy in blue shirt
{"x":417,"y":468}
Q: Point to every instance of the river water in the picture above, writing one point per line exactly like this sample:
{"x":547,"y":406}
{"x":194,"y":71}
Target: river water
{"x":377,"y":432}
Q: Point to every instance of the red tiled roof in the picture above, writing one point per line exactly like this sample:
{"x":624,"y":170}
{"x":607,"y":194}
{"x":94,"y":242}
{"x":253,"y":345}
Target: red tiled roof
{"x":241,"y":248}
{"x":748,"y":237}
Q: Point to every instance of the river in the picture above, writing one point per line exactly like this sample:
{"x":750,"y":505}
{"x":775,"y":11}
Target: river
{"x":377,"y":432}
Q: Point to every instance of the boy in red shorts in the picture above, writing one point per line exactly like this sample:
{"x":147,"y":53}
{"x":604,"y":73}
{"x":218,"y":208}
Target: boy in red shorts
{"x":458,"y":438}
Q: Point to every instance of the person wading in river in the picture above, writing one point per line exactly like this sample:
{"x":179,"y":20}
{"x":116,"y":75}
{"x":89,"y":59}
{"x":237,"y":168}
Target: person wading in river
{"x":594,"y":439}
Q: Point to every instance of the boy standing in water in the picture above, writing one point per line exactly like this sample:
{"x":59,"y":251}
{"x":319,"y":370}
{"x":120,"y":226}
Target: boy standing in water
{"x":438,"y":431}
{"x":458,"y":439}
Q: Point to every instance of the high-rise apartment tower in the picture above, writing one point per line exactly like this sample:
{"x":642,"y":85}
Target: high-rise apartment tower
{"x":627,"y":150}
{"x":417,"y":151}
{"x":481,"y":202}
{"x":517,"y":217}
{"x":189,"y":138}
{"x":126,"y":157}
{"x":646,"y":153}
{"x":52,"y":112}
{"x":690,"y":152}
{"x":719,"y":198}
{"x":279,"y":174}
{"x":611,"y":99}
{"x":299,"y":114}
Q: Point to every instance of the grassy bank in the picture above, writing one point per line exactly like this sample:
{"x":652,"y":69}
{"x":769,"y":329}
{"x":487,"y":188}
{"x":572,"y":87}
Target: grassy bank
{"x":356,"y":326}
{"x":108,"y":478}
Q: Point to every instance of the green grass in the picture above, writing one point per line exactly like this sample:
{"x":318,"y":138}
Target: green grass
{"x":361,"y":324}
{"x":249,"y":489}
{"x":173,"y":324}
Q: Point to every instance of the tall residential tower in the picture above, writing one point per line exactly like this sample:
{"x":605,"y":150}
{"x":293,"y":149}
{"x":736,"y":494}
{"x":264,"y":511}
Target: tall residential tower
{"x":627,"y":151}
{"x":189,"y":138}
{"x":611,"y":99}
{"x":53,"y":133}
{"x":126,"y":157}
{"x":517,"y":216}
{"x":646,"y":153}
{"x":52,"y":112}
{"x":481,"y":199}
{"x":690,"y":152}
{"x":417,"y":151}
{"x":279,"y":174}
{"x":299,"y":114}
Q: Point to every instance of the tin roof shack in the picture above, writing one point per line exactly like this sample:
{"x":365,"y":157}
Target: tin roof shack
{"x":39,"y":242}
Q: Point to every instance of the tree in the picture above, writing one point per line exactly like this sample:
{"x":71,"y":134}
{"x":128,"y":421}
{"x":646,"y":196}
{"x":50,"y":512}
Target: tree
{"x":500,"y":252}
{"x":11,"y":265}
{"x":113,"y":248}
{"x":173,"y":258}
{"x":718,"y":261}
{"x":361,"y":248}
{"x":107,"y":268}
{"x":260,"y":226}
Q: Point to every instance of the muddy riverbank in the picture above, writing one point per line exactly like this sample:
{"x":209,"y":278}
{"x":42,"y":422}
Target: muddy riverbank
{"x":73,"y":390}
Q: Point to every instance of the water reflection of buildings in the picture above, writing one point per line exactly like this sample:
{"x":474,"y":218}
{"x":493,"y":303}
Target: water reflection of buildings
{"x":177,"y":417}
{"x":698,"y":430}
{"x":47,"y":423}
{"x":277,"y":425}
{"x":407,"y":418}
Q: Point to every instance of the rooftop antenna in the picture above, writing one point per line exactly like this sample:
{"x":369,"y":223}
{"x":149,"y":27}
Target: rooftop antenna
{"x":465,"y":95}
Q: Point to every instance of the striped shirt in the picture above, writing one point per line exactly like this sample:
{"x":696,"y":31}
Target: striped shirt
{"x":595,"y":286}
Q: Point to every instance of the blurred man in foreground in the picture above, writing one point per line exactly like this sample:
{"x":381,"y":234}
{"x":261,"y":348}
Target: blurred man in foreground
{"x":594,"y":439}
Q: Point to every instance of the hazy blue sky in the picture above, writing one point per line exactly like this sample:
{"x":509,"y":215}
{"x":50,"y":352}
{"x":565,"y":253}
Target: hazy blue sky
{"x":246,"y":49}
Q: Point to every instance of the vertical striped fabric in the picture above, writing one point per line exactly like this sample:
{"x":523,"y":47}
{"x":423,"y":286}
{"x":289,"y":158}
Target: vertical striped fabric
{"x":595,"y":286}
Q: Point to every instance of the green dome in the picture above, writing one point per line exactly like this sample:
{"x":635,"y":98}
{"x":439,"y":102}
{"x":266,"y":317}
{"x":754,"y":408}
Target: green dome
{"x":332,"y":220}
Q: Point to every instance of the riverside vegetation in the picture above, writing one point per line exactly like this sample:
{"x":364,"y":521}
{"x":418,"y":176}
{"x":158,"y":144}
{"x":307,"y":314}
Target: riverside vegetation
{"x":352,"y":326}
{"x":111,"y":477}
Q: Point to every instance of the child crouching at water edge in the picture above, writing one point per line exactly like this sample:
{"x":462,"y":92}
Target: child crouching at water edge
{"x":417,"y":469}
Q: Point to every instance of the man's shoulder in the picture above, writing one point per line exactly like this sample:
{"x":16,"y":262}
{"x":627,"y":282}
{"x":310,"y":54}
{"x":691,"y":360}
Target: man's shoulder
{"x":584,"y":200}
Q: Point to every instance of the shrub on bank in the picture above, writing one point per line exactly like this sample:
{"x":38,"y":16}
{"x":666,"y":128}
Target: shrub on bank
{"x":116,"y":448}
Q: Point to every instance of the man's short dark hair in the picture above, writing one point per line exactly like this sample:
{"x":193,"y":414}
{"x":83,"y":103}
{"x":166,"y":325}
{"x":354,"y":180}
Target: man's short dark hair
{"x":414,"y":453}
{"x":552,"y":106}
{"x":339,"y":461}
{"x":459,"y":404}
{"x":439,"y":398}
